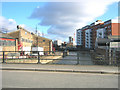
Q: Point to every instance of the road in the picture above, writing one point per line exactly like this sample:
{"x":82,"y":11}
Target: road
{"x":29,"y":79}
{"x":85,"y":59}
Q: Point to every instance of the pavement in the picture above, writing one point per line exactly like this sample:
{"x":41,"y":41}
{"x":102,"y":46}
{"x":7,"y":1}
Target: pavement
{"x":63,"y":68}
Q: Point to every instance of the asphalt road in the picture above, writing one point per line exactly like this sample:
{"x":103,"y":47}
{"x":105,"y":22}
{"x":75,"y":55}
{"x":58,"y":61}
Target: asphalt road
{"x":29,"y":79}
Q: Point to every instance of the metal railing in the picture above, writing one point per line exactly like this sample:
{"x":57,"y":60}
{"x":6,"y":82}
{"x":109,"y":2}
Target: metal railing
{"x":58,"y":57}
{"x":109,"y":58}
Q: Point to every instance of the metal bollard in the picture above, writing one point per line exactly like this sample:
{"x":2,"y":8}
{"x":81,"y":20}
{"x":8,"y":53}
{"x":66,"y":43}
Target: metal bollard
{"x":77,"y":58}
{"x":63,"y":54}
{"x":3,"y":57}
{"x":38,"y":58}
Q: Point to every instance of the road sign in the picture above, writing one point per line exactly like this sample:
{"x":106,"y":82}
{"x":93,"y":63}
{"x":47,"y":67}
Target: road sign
{"x":114,"y":44}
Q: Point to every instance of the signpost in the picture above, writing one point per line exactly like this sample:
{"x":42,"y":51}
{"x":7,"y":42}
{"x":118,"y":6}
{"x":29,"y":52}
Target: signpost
{"x":114,"y":44}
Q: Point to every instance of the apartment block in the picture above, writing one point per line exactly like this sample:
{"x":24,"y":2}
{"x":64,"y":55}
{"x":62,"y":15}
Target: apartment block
{"x":101,"y":33}
{"x":79,"y":37}
{"x":87,"y":35}
{"x":88,"y":38}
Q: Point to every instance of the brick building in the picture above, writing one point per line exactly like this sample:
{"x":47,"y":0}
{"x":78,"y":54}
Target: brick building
{"x":27,"y":40}
{"x":7,"y":43}
{"x":42,"y":42}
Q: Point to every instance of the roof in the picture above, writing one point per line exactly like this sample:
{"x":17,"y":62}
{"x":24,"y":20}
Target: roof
{"x":41,"y":37}
{"x":5,"y":35}
{"x":29,"y":32}
{"x":13,"y":32}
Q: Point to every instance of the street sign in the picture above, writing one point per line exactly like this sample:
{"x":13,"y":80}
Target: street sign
{"x":114,"y":44}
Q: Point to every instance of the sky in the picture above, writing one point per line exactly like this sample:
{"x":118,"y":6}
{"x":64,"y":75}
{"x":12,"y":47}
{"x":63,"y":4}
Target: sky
{"x":57,"y":20}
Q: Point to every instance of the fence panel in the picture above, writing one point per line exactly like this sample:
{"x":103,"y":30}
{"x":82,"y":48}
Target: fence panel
{"x":60,"y":57}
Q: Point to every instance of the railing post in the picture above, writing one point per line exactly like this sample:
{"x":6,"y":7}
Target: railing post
{"x":3,"y":57}
{"x":63,"y":54}
{"x":38,"y":57}
{"x":77,"y":58}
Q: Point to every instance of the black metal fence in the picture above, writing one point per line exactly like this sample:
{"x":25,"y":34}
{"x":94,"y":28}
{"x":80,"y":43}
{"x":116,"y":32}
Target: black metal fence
{"x":106,"y":58}
{"x":59,"y":57}
{"x":25,"y":56}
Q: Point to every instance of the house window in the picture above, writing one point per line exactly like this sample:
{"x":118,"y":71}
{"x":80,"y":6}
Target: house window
{"x":22,"y":40}
{"x":25,"y":40}
{"x":25,"y":33}
{"x":4,"y":43}
{"x":43,"y":40}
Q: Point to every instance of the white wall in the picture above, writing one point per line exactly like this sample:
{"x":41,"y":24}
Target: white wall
{"x":79,"y":37}
{"x":58,"y":42}
{"x":88,"y":38}
{"x":101,"y":33}
{"x":27,"y":49}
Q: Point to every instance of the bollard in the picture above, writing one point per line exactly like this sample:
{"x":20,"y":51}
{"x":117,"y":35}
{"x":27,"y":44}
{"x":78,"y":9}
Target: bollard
{"x":3,"y":57}
{"x":38,"y":58}
{"x":77,"y":58}
{"x":63,"y":54}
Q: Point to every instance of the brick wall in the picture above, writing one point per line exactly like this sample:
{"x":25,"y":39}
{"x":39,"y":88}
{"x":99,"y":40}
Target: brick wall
{"x":36,"y":41}
{"x":115,"y":30}
{"x":42,"y":42}
{"x":14,"y":34}
{"x":24,"y":34}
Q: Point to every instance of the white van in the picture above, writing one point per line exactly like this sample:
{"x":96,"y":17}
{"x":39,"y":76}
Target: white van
{"x":36,"y":49}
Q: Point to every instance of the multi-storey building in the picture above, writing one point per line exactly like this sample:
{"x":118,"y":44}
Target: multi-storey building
{"x":70,"y":39}
{"x":87,"y":36}
{"x":79,"y":37}
{"x":101,"y":33}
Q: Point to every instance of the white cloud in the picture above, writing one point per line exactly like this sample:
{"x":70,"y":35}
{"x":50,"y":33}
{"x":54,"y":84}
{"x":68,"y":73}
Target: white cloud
{"x":7,"y":24}
{"x":116,"y":20}
{"x":65,"y":17}
{"x":30,"y":29}
{"x":11,"y":25}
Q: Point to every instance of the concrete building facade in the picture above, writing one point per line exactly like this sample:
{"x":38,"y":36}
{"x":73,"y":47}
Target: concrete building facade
{"x":101,"y":33}
{"x":79,"y":37}
{"x":86,"y":36}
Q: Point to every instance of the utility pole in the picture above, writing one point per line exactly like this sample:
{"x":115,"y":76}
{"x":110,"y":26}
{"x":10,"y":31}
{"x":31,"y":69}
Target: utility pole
{"x":36,"y":30}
